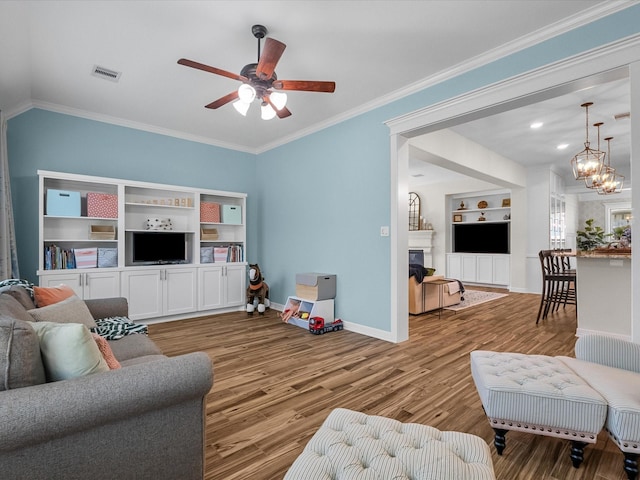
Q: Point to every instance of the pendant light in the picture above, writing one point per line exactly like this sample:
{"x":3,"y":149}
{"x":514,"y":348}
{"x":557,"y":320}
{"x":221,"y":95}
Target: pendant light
{"x":588,"y":162}
{"x":594,"y":181}
{"x":612,"y":181}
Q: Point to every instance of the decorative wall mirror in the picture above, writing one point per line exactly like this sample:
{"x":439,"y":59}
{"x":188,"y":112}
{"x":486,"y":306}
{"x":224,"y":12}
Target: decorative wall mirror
{"x":617,"y":215}
{"x":414,"y":211}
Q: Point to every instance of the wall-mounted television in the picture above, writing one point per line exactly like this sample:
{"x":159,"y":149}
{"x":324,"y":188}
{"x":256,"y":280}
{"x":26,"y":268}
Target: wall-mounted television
{"x":159,"y":247}
{"x":481,"y":237}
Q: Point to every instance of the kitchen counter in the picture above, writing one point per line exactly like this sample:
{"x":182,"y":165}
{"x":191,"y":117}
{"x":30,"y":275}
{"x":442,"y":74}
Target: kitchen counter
{"x":604,"y":293}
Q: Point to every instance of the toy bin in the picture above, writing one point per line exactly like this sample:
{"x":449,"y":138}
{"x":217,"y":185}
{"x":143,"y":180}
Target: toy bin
{"x":63,"y":203}
{"x":232,"y":214}
{"x":102,"y":205}
{"x":315,"y":286}
{"x":209,"y":212}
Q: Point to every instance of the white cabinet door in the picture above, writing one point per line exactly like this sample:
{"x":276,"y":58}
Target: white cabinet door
{"x":235,"y":280}
{"x":454,"y":266}
{"x":101,"y":285}
{"x":179,"y":291}
{"x":87,"y":285}
{"x":72,"y":279}
{"x":143,"y":290}
{"x":484,"y":269}
{"x":211,"y":288}
{"x":468,"y":273}
{"x":501,"y":270}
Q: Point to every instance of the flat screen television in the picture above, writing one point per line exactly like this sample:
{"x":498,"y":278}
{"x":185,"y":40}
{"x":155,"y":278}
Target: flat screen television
{"x":159,"y":247}
{"x":481,"y":237}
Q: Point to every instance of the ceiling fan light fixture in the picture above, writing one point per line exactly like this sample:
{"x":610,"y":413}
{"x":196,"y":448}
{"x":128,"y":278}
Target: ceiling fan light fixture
{"x":246,"y":93}
{"x":266,"y":112}
{"x":279,"y":99}
{"x":241,"y":107}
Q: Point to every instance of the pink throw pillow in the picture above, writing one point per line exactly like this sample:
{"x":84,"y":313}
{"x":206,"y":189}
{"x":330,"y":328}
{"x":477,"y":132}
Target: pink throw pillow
{"x":106,"y":352}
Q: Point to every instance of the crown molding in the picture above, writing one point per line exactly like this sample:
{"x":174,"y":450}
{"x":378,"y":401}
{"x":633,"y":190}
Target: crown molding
{"x":122,"y":122}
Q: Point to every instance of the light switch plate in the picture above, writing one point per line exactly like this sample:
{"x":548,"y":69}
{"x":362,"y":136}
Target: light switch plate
{"x":384,"y":231}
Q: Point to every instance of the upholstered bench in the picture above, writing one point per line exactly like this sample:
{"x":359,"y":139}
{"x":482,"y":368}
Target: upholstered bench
{"x":355,"y":445}
{"x":537,"y":394}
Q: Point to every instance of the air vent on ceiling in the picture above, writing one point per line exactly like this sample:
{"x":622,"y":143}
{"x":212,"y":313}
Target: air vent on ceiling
{"x":105,"y":73}
{"x":620,"y":116}
{"x":416,"y":175}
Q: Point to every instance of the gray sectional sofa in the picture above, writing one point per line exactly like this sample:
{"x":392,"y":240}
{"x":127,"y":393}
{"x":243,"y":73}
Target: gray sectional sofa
{"x":145,"y":420}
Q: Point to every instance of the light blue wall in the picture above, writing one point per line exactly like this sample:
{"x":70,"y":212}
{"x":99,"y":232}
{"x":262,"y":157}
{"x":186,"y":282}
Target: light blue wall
{"x":315,"y":204}
{"x":39,"y":139}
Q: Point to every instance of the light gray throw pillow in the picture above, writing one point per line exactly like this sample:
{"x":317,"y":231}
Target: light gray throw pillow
{"x":70,"y":310}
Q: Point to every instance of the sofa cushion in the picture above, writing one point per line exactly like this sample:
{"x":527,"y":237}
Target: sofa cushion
{"x":71,"y":310}
{"x":68,"y":350}
{"x":45,"y":296}
{"x":132,"y":346}
{"x":20,"y":361}
{"x":11,"y":307}
{"x":22,"y":295}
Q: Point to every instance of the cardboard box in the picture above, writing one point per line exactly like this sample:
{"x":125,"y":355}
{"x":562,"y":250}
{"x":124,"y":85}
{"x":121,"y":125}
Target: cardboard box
{"x":102,"y":205}
{"x":209,"y":212}
{"x":315,"y":286}
{"x":232,"y":214}
{"x":63,"y":203}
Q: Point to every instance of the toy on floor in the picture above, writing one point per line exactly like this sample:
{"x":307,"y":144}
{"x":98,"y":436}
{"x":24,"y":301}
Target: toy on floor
{"x":257,"y":291}
{"x":318,"y":326}
{"x":292,"y":310}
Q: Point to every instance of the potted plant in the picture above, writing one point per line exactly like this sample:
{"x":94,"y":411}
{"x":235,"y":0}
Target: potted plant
{"x":591,"y":237}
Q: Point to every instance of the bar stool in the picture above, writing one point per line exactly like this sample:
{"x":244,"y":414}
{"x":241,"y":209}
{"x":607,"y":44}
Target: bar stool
{"x":558,"y":282}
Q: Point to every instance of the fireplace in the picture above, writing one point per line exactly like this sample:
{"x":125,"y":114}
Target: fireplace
{"x":422,"y":240}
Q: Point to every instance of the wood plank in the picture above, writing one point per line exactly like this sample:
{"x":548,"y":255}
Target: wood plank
{"x":276,"y":383}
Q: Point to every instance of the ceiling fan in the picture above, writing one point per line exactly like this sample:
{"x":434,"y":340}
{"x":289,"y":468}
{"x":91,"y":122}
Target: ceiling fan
{"x":259,"y":81}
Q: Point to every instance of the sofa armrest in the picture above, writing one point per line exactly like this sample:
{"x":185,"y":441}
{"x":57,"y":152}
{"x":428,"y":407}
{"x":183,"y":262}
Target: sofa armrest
{"x":609,"y":351}
{"x":37,"y":414}
{"x":108,"y":307}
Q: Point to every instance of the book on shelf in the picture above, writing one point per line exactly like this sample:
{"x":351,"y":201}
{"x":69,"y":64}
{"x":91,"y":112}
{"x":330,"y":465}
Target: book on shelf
{"x":56,"y":258}
{"x":228,"y":254}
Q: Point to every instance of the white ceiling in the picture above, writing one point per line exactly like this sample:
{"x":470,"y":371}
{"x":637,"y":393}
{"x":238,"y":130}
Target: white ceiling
{"x":375,"y":51}
{"x":564,"y":121}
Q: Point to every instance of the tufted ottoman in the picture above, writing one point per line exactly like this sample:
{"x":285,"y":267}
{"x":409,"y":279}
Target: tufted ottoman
{"x":537,"y":394}
{"x":353,"y":445}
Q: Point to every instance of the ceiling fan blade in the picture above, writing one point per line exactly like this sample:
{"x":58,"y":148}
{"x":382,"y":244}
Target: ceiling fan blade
{"x":207,"y":68}
{"x":305,"y":85}
{"x":284,"y":112}
{"x":223,"y":100}
{"x":269,"y":58}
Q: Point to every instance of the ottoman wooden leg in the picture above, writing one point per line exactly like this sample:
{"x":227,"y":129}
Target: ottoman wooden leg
{"x":500,"y":441}
{"x":631,"y":465}
{"x":577,"y":453}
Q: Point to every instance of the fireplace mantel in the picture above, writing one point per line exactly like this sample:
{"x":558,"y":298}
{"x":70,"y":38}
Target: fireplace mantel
{"x":422,"y":240}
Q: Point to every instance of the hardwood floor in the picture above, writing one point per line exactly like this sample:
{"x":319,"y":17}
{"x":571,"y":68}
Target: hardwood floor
{"x":276,"y":383}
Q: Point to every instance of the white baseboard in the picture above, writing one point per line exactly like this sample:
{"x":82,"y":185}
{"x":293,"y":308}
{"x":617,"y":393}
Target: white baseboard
{"x":355,"y":327}
{"x":585,"y":331}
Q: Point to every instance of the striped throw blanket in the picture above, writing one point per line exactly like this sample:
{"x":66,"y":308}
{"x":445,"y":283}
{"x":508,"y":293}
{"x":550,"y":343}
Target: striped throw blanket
{"x":114,"y":328}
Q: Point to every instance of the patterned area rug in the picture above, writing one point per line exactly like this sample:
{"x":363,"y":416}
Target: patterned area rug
{"x":475,"y":297}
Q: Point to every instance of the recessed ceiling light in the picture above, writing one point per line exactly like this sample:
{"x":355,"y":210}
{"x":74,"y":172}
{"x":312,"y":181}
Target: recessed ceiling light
{"x":562,"y":146}
{"x":535,"y":125}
